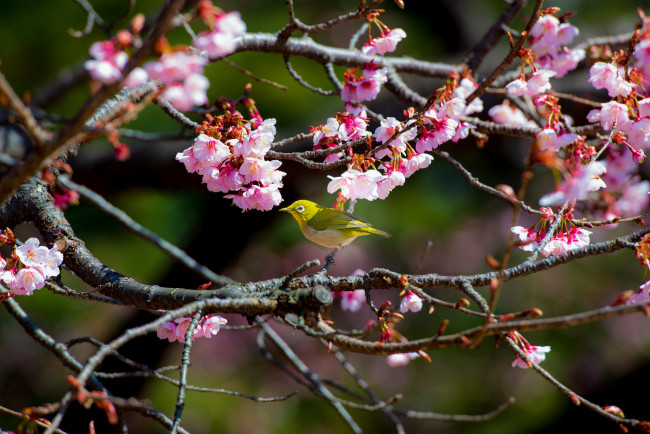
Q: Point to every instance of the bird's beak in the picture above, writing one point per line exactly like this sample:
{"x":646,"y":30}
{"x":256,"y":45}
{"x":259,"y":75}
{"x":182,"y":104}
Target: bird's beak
{"x":285,"y":209}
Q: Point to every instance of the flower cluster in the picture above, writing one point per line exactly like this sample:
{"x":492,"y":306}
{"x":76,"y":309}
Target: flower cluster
{"x":176,"y":330}
{"x":363,"y":84}
{"x":107,"y":63}
{"x":342,"y":128}
{"x":229,"y":154}
{"x":441,"y":123}
{"x":29,"y":265}
{"x":179,"y":69}
{"x":225,"y":28}
{"x":548,"y":42}
{"x":567,"y":238}
{"x":181,"y":73}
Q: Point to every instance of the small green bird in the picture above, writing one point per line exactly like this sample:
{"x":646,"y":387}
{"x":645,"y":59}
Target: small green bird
{"x":329,"y":227}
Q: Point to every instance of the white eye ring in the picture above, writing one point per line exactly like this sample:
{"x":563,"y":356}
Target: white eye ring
{"x":300,"y":208}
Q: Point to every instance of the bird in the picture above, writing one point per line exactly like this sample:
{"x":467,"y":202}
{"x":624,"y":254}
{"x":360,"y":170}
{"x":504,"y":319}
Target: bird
{"x":329,"y":227}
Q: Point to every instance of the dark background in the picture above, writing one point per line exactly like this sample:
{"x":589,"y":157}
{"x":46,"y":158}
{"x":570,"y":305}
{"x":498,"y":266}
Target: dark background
{"x":607,"y":362}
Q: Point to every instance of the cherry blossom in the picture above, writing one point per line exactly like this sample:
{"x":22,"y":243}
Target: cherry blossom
{"x":607,"y":76}
{"x":504,"y":113}
{"x":175,"y":67}
{"x":410,"y":302}
{"x":385,"y":43}
{"x":578,"y":185}
{"x":443,"y":130}
{"x":400,"y":359}
{"x":108,"y":62}
{"x":641,"y":296}
{"x":222,"y":39}
{"x":535,"y":354}
{"x":176,"y":330}
{"x":416,"y":162}
{"x":352,"y":300}
{"x":192,"y":92}
{"x":355,"y":184}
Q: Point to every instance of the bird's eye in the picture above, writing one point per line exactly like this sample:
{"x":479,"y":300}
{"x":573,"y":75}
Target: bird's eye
{"x":300,"y":208}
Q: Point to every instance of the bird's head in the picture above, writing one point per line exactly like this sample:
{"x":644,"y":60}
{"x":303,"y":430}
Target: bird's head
{"x":302,"y":210}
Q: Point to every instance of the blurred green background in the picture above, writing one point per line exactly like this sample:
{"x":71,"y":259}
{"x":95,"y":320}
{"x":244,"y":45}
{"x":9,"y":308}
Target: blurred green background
{"x":607,"y":361}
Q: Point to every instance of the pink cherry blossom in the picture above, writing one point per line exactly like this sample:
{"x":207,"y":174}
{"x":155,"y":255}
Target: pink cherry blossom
{"x":391,"y":180}
{"x":504,"y":113}
{"x":210,"y":326}
{"x":527,"y":237}
{"x":223,"y":179}
{"x":222,"y":40}
{"x":182,"y":324}
{"x":453,"y":109}
{"x":584,"y":180}
{"x":215,"y":44}
{"x":465,"y":88}
{"x":167,"y":331}
{"x":642,"y":295}
{"x":566,"y":60}
{"x":192,"y":164}
{"x":410,"y":302}
{"x":517,"y":87}
{"x":108,"y":62}
{"x":355,"y":184}
{"x":607,"y":76}
{"x":539,"y":82}
{"x":262,"y":198}
{"x":352,"y":300}
{"x":400,"y":359}
{"x":258,"y":142}
{"x":255,"y":169}
{"x":26,"y":281}
{"x":192,"y":92}
{"x":175,"y":67}
{"x":50,"y":266}
{"x":209,"y":151}
{"x":388,"y":127}
{"x":443,"y":130}
{"x":30,"y":253}
{"x":366,"y":87}
{"x":384,"y":44}
{"x":638,"y":133}
{"x":230,"y":23}
{"x":352,"y":128}
{"x":613,"y":114}
{"x":137,"y":77}
{"x":415,"y":163}
{"x":535,"y":354}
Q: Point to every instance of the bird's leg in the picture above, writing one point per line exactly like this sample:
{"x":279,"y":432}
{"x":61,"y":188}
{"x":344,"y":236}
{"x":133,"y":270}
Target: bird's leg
{"x":329,"y":260}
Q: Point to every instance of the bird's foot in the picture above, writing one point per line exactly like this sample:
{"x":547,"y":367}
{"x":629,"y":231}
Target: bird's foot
{"x":329,"y":261}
